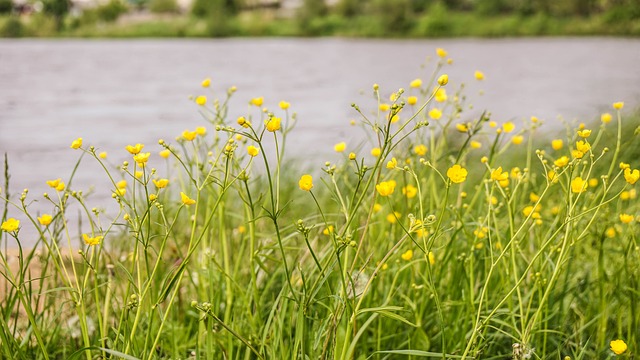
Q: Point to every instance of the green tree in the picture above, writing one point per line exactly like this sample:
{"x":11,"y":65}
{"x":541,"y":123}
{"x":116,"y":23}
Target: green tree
{"x":6,"y":6}
{"x":58,"y":9}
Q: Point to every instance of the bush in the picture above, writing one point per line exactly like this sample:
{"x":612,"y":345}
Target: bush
{"x":6,"y":6}
{"x":164,"y":6}
{"x":111,"y":11}
{"x":12,"y":28}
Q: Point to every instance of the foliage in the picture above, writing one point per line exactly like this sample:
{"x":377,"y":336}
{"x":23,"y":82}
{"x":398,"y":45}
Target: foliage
{"x":163,"y":6}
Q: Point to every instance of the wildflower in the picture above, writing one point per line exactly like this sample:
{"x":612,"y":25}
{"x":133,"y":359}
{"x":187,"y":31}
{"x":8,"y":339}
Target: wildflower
{"x":121,"y":184}
{"x":201,"y":100}
{"x":76,"y":144}
{"x":384,"y":107}
{"x":593,"y":182}
{"x":138,"y":174}
{"x":441,"y":52}
{"x":273,"y":124}
{"x":499,"y":175}
{"x":376,"y":87}
{"x":243,"y":122}
{"x":557,"y":144}
{"x":515,"y":173}
{"x":201,"y":130}
{"x":631,"y":176}
{"x":164,"y":153}
{"x":480,"y":233}
{"x":577,"y":154}
{"x":457,"y":174}
{"x":141,"y":159}
{"x":410,"y":191}
{"x":416,"y":83}
{"x":377,"y":207}
{"x":517,"y":140}
{"x":328,"y":230}
{"x":119,"y":192}
{"x":441,"y":95}
{"x":189,"y":135}
{"x":186,"y":199}
{"x":508,"y":127}
{"x":478,"y":75}
{"x":352,"y":156}
{"x":420,"y":150}
{"x":475,"y":144}
{"x":375,"y":152}
{"x":583,"y":146}
{"x":56,"y":184}
{"x":625,"y":195}
{"x":531,"y":210}
{"x":161,"y":183}
{"x":102,"y":155}
{"x":533,"y":197}
{"x":462,"y":128}
{"x":534,"y":119}
{"x":392,"y":163}
{"x":578,"y":185}
{"x":626,"y":218}
{"x":252,"y":150}
{"x":10,"y":225}
{"x":412,"y":100}
{"x":407,"y":255}
{"x":443,"y":80}
{"x":610,"y":232}
{"x":561,"y":162}
{"x":552,"y":176}
{"x":618,"y":346}
{"x":45,"y":219}
{"x":241,"y":229}
{"x":206,"y":83}
{"x":493,"y":124}
{"x":432,"y":258}
{"x":284,"y":105}
{"x":91,"y":240}
{"x":618,"y":105}
{"x":484,"y":159}
{"x":395,"y":118}
{"x":624,"y":166}
{"x":393,"y":217}
{"x":584,"y":133}
{"x":386,"y":188}
{"x":257,"y":101}
{"x":340,"y":147}
{"x":152,"y":197}
{"x":306,"y":182}
{"x":493,"y":200}
{"x":605,"y":118}
{"x":435,"y":113}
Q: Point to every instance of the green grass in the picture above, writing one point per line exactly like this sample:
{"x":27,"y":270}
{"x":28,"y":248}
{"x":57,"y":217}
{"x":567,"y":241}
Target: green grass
{"x":379,"y":259}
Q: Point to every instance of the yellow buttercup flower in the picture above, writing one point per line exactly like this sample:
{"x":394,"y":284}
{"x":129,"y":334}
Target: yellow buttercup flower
{"x":273,"y":124}
{"x":440,"y":95}
{"x":189,"y":135}
{"x":462,"y":128}
{"x":502,"y":177}
{"x":10,"y":225}
{"x":201,"y":100}
{"x":475,"y":144}
{"x":584,"y":133}
{"x":384,"y":107}
{"x":410,"y":191}
{"x":517,"y":140}
{"x":102,"y":155}
{"x":352,"y":156}
{"x":376,"y":152}
{"x":533,"y":197}
{"x":420,"y":150}
{"x":557,"y":144}
{"x":481,"y":232}
{"x":432,"y":258}
{"x":443,"y":80}
{"x":392,"y":163}
{"x":412,"y":100}
{"x":624,"y":166}
{"x":253,"y":150}
{"x":340,"y":147}
{"x":626,"y":218}
{"x":407,"y":255}
{"x":441,"y":52}
{"x":141,"y":159}
{"x":45,"y":219}
{"x":76,"y":144}
{"x":606,"y":118}
{"x":328,"y":230}
{"x":435,"y":113}
{"x":618,"y":105}
{"x":561,"y":161}
{"x":416,"y":83}
{"x":165,"y":153}
{"x":186,"y":199}
{"x":631,"y":176}
{"x":138,"y":174}
{"x":306,"y":182}
{"x":284,"y":105}
{"x":161,"y":183}
{"x":610,"y":232}
{"x":393,"y":217}
{"x":578,"y":185}
{"x":386,"y":188}
{"x":91,"y":241}
{"x":243,"y":122}
{"x":121,"y":184}
{"x":479,"y":75}
{"x":206,"y":83}
{"x":577,"y":154}
{"x":257,"y":101}
{"x":457,"y":174}
{"x":583,"y":146}
{"x":120,"y":191}
{"x":508,"y":127}
{"x":201,"y":130}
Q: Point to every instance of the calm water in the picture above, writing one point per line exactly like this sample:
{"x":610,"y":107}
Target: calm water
{"x":113,"y":93}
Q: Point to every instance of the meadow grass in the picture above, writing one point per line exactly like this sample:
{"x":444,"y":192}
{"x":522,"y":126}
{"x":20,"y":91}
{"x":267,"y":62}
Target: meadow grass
{"x":438,"y":237}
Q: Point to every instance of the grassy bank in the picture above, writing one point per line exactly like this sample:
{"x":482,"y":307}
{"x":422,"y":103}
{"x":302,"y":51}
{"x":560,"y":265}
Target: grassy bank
{"x":442,"y":236}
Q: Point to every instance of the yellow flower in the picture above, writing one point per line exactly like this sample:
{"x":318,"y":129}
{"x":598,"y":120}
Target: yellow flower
{"x":527,"y":210}
{"x":561,"y":162}
{"x":441,"y":95}
{"x":186,"y":199}
{"x":457,"y":174}
{"x":475,"y":144}
{"x":206,"y":83}
{"x":386,"y":188}
{"x":45,"y":219}
{"x":493,"y":124}
{"x":103,"y":155}
{"x":605,"y":118}
{"x":328,"y":230}
{"x":625,"y":195}
{"x":56,"y":184}
{"x":578,"y":185}
{"x":552,"y":176}
{"x":340,"y":147}
{"x":189,"y":135}
{"x":141,"y":159}
{"x":243,"y":122}
{"x":375,"y":152}
{"x":138,"y":174}
{"x":10,"y":225}
{"x":273,"y":124}
{"x":478,"y":75}
{"x":416,"y":83}
{"x":534,"y":119}
{"x":161,"y":183}
{"x":583,"y":146}
{"x":557,"y":144}
{"x":393,"y":217}
{"x":306,"y":182}
{"x":508,"y":127}
{"x":352,"y":156}
{"x":533,"y":197}
{"x":284,"y":105}
{"x":257,"y":101}
{"x":120,"y":191}
{"x":252,"y":150}
{"x":593,"y":182}
{"x":610,"y":232}
{"x":392,"y":163}
{"x":153,"y":197}
{"x":502,"y":177}
{"x":480,"y":233}
{"x":462,"y":128}
{"x":201,"y":100}
{"x":518,"y":139}
{"x":91,"y":240}
{"x":377,"y":207}
{"x":410,"y":191}
{"x":441,"y":52}
{"x":121,"y":184}
{"x":165,"y":153}
{"x":443,"y":80}
{"x":626,"y":218}
{"x":493,"y":200}
{"x":618,"y":346}
{"x":631,"y":176}
{"x":435,"y":113}
{"x":77,"y":143}
{"x":618,"y":105}
{"x":432,"y":258}
{"x":584,"y":133}
{"x":412,"y":100}
{"x":420,"y":150}
{"x":384,"y":107}
{"x":407,"y":255}
{"x":624,"y":166}
{"x":201,"y":130}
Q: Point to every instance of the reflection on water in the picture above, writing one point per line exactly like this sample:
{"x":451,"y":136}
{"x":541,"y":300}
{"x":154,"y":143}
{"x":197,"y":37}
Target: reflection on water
{"x":114,"y":93}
